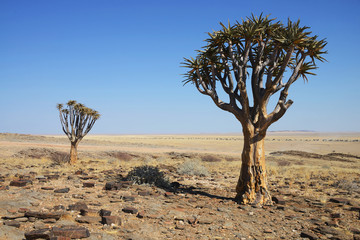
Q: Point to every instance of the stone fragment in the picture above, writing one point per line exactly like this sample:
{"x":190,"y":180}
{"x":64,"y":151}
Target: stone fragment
{"x":20,"y":183}
{"x":278,"y":200}
{"x":309,"y":235}
{"x":335,"y":215}
{"x":88,"y":219}
{"x":130,"y":210}
{"x":52,"y":176}
{"x":38,"y":234}
{"x":128,"y":198}
{"x":60,"y":238}
{"x":72,"y":232}
{"x":23,"y":210}
{"x":12,"y":223}
{"x":112,"y":186}
{"x":111,"y":220}
{"x":339,"y":200}
{"x":77,"y":206}
{"x":141,"y":214}
{"x":104,"y":212}
{"x":89,"y":184}
{"x":62,"y":190}
{"x":14,"y":216}
{"x":44,"y":215}
{"x":47,"y":188}
{"x":49,"y":220}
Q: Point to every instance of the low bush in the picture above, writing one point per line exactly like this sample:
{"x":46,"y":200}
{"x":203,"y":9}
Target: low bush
{"x":193,"y":167}
{"x":148,"y":175}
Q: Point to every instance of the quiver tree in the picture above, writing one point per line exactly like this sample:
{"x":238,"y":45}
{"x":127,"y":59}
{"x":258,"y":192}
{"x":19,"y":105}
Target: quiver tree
{"x":253,"y":55}
{"x":76,"y":121}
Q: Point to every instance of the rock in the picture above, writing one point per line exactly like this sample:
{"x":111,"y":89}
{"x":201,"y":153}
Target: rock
{"x":339,"y":200}
{"x":111,"y":220}
{"x":20,"y":183}
{"x":40,"y":233}
{"x":60,"y":238}
{"x":62,"y":190}
{"x":335,"y":215}
{"x":112,"y":186}
{"x":128,"y":198}
{"x":205,"y":220}
{"x":141,"y":214}
{"x":77,"y":206}
{"x":309,"y":235}
{"x":278,"y":200}
{"x":52,"y":176}
{"x":23,"y":210}
{"x":44,"y":215}
{"x":130,"y":210}
{"x":88,"y":219}
{"x":49,"y":220}
{"x":104,"y":212}
{"x":72,"y":232}
{"x":12,"y":223}
{"x":47,"y":188}
{"x":268,"y":230}
{"x":88,"y":184}
{"x":14,"y":216}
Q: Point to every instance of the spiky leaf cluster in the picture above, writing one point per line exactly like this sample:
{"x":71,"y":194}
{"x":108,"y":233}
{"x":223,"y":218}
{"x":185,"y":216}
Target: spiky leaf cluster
{"x":76,"y":119}
{"x":257,"y":50}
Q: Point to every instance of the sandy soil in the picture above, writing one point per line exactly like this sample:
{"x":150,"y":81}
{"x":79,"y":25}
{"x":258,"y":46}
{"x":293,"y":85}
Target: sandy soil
{"x":314,"y":179}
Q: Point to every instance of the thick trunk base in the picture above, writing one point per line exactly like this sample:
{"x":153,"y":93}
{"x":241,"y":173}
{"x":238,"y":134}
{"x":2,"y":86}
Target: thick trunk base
{"x":73,"y":153}
{"x":252,"y":189}
{"x":252,"y":184}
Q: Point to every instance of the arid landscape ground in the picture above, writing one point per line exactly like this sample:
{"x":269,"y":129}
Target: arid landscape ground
{"x":314,"y":179}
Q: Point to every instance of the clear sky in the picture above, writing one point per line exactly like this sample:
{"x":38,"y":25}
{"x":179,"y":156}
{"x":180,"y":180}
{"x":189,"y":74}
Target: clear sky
{"x":123,"y":58}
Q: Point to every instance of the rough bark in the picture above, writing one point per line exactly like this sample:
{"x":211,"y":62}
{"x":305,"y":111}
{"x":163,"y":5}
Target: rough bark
{"x":252,"y":184}
{"x":73,"y":153}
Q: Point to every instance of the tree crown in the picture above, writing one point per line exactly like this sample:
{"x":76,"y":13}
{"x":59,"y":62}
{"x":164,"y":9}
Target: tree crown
{"x":76,"y":119}
{"x":260,"y":50}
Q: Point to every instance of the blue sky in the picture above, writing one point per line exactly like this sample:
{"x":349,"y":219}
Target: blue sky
{"x":122,"y":58}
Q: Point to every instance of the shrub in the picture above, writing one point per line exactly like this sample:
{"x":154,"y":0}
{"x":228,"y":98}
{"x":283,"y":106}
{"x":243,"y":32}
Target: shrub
{"x":60,"y":158}
{"x":210,"y":158}
{"x":148,"y":175}
{"x":193,"y":167}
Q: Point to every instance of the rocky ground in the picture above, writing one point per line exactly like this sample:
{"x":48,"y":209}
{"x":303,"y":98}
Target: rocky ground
{"x":45,"y":200}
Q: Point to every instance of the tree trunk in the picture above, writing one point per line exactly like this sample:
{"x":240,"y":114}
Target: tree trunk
{"x":252,"y":184}
{"x":73,"y":153}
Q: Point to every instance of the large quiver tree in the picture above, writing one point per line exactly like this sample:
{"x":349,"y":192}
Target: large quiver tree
{"x":76,"y":121}
{"x":254,"y":55}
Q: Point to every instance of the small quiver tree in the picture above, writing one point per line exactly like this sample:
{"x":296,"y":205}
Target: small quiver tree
{"x":254,"y":55}
{"x":76,"y":121}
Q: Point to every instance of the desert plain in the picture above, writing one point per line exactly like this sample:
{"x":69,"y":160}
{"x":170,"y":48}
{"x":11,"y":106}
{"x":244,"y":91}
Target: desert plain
{"x":314,"y":179}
